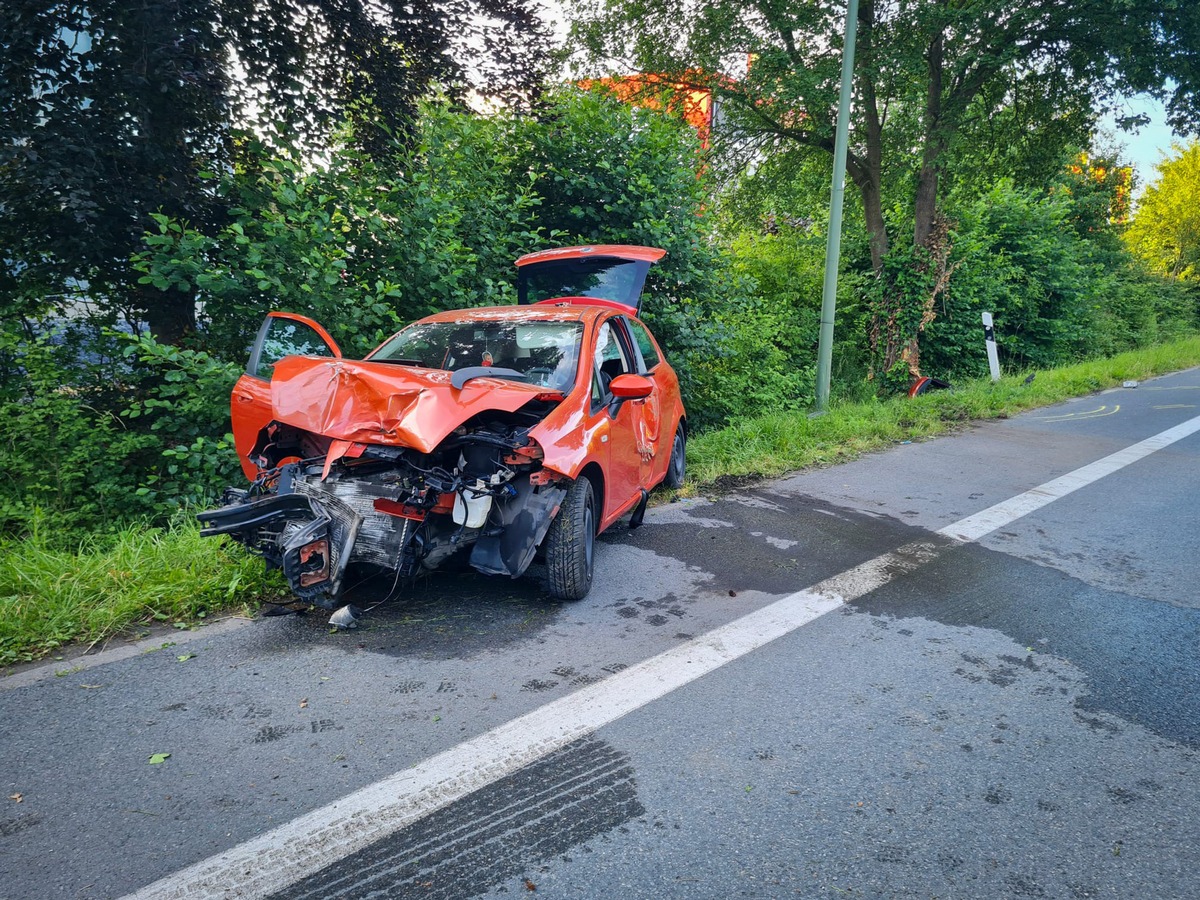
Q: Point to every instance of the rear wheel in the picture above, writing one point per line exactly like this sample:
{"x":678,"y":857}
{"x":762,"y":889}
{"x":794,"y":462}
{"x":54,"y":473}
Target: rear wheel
{"x":571,"y":543}
{"x":676,"y":468}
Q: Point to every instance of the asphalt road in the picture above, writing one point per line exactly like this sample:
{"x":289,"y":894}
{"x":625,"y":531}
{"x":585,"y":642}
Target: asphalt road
{"x":1012,"y":716}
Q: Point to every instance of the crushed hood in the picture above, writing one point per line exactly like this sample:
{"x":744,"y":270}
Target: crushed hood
{"x":382,"y":403}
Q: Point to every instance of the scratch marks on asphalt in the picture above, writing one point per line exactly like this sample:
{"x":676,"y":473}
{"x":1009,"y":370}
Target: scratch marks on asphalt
{"x":572,"y":796}
{"x":16,"y":825}
{"x":252,"y":716}
{"x":670,"y":604}
{"x":270,"y":733}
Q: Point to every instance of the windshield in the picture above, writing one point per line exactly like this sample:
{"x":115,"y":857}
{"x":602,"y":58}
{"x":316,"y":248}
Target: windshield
{"x":543,"y":353}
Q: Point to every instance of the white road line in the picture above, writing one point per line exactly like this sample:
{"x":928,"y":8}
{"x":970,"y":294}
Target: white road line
{"x":972,"y":528}
{"x":310,"y":843}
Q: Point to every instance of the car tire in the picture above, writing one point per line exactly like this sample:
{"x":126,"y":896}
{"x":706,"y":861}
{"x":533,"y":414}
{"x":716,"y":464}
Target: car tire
{"x":677,"y":465}
{"x":571,"y":543}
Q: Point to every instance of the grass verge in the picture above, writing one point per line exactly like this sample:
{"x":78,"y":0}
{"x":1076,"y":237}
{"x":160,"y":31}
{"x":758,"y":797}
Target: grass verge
{"x":50,"y":597}
{"x":773,"y":444}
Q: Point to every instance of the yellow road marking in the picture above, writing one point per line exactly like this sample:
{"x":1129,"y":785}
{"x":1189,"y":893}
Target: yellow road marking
{"x":1098,"y":413}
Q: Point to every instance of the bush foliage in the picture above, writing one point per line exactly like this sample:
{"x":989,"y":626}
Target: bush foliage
{"x":1049,"y":263}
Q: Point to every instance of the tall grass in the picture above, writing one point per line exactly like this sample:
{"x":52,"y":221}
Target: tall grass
{"x":50,"y":597}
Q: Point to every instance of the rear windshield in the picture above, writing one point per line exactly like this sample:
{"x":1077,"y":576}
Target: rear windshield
{"x":598,"y":277}
{"x":543,"y":353}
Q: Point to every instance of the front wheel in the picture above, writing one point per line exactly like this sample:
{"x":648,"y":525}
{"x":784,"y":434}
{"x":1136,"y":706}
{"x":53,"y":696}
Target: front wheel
{"x":676,"y":468}
{"x":571,"y":543}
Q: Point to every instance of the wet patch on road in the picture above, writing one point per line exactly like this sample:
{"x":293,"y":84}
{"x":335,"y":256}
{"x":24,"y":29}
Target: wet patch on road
{"x":463,"y":614}
{"x":1139,"y":656}
{"x":858,"y":754}
{"x":452,"y":613}
{"x":763,"y":541}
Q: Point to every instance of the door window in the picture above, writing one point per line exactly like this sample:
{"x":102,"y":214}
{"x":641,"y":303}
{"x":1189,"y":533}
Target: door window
{"x":613,"y":358}
{"x":282,"y":337}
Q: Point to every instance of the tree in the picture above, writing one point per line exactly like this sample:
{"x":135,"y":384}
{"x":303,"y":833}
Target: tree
{"x":606,"y":171}
{"x":360,"y":244}
{"x":1166,"y":230}
{"x":927,"y":73}
{"x":108,"y":111}
{"x":112,"y":111}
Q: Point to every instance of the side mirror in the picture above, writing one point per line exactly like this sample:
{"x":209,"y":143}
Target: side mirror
{"x":631,"y":387}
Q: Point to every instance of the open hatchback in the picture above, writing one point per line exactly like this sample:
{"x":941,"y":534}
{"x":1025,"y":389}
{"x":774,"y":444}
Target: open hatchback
{"x":504,"y":434}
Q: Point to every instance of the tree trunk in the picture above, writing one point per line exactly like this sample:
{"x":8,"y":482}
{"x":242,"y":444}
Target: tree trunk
{"x":872,"y":203}
{"x":170,"y":314}
{"x":869,"y":177}
{"x":925,"y":205}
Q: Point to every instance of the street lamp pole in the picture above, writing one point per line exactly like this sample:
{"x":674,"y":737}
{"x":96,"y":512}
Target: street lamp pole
{"x":834,"y":246}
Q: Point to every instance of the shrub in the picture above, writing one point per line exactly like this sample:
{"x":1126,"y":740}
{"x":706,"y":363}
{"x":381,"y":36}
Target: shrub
{"x":66,"y":451}
{"x":94,"y":441}
{"x":181,"y":398}
{"x":360,"y":245}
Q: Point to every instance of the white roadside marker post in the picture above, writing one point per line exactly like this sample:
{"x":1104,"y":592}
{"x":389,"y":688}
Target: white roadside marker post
{"x":989,"y":337}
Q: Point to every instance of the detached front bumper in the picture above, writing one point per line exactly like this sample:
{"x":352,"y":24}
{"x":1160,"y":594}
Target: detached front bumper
{"x":294,"y":532}
{"x":240,"y":516}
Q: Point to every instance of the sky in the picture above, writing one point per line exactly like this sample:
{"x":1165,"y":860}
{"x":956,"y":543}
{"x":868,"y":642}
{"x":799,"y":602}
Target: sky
{"x":1149,"y":145}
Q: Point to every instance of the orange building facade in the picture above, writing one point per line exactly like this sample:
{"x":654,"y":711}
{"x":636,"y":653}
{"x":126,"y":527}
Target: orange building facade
{"x":696,"y":105}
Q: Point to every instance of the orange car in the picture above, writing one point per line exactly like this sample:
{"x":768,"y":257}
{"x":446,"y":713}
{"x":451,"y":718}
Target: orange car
{"x":502,"y":433}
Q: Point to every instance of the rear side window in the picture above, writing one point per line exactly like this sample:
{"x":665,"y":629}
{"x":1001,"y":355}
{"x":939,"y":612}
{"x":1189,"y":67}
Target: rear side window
{"x":645,"y":343}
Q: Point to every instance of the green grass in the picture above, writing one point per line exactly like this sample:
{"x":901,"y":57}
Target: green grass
{"x":773,"y":444}
{"x":51,"y":597}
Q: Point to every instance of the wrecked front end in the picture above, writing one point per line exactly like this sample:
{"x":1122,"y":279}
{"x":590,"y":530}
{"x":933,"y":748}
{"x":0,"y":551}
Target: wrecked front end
{"x":323,"y":508}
